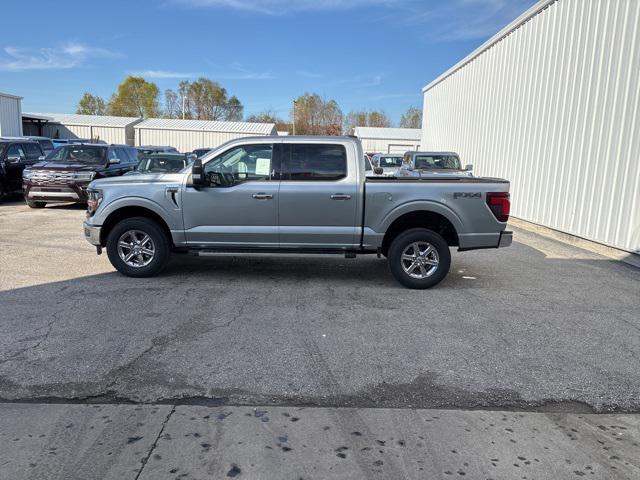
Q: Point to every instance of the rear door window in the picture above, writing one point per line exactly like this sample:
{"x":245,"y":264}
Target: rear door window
{"x":32,"y":150}
{"x":16,"y":150}
{"x":315,"y":162}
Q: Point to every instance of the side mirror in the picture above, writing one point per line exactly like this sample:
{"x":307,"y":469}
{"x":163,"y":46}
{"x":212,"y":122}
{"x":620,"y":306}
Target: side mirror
{"x":13,"y":158}
{"x":41,"y":158}
{"x":113,"y":161}
{"x":378,"y":170}
{"x":468,"y":168}
{"x":197,"y":174}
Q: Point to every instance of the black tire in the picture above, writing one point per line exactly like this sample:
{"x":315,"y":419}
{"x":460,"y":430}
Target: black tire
{"x":36,"y":204}
{"x":161,"y":247}
{"x":422,"y":237}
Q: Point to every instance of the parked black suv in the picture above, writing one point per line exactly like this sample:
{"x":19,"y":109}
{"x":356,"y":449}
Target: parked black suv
{"x":15,"y":155}
{"x":64,"y":174}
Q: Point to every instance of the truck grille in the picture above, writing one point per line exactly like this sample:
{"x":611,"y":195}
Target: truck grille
{"x":51,"y":177}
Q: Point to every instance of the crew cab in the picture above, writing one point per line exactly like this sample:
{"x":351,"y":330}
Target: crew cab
{"x":63,"y":175}
{"x":295,"y":194}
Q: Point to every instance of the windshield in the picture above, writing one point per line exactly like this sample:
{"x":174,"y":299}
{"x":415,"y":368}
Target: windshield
{"x":199,"y":152}
{"x":78,"y":154}
{"x":437,"y":162}
{"x":3,"y":146}
{"x":386,"y":161}
{"x":160,"y":165}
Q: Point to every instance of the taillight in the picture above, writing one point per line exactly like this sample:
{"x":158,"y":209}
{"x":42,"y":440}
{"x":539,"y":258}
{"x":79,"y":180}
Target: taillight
{"x":499,"y":204}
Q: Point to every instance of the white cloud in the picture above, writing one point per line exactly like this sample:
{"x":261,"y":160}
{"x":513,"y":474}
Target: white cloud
{"x":277,"y":7}
{"x":441,"y":21}
{"x":164,"y":74}
{"x":69,"y":55}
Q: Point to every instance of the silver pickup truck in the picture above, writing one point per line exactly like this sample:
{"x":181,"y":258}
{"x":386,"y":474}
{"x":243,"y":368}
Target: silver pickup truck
{"x":295,"y":195}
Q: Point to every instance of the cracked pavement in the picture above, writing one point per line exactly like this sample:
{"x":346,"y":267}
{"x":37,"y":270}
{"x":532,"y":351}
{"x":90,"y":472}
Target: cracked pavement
{"x":541,"y":325}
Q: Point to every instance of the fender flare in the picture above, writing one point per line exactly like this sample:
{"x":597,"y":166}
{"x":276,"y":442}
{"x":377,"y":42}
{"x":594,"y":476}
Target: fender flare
{"x":421,"y":206}
{"x":126,"y":202}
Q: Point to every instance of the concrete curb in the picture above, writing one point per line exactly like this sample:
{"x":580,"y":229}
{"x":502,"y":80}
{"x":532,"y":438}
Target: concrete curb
{"x":595,"y":247}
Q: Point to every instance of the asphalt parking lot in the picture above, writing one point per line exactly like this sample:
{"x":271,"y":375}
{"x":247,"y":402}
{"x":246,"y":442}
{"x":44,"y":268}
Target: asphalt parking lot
{"x":538,"y":327}
{"x":540,"y":324}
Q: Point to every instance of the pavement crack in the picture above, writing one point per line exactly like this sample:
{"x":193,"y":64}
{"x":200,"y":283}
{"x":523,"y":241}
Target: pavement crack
{"x":48,"y":326}
{"x":155,"y":443}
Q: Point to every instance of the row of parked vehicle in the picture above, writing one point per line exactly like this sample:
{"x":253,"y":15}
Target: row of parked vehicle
{"x":415,"y":163}
{"x":54,"y":170}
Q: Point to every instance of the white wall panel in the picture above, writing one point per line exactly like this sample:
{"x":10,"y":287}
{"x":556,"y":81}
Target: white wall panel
{"x":185,"y":140}
{"x":10,"y":116}
{"x":378,"y":145}
{"x":552,"y":104}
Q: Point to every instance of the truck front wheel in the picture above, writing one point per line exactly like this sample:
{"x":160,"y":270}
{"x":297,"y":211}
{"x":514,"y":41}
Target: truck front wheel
{"x":419,"y":258}
{"x":137,"y":247}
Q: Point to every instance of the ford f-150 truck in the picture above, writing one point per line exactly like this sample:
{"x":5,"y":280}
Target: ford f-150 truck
{"x":292,"y":195}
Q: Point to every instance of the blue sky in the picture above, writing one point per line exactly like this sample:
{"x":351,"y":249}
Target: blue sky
{"x":366,"y":54}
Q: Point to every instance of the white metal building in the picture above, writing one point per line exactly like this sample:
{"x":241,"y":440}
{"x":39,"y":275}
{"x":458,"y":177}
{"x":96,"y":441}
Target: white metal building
{"x":10,"y":115}
{"x":388,"y":140}
{"x":187,"y":135}
{"x":552,"y":103}
{"x":94,"y":127}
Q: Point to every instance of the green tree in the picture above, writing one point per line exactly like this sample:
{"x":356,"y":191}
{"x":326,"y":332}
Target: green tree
{"x":91,"y":105}
{"x":316,"y":116}
{"x":234,"y":110}
{"x":135,"y":97}
{"x":412,"y":118}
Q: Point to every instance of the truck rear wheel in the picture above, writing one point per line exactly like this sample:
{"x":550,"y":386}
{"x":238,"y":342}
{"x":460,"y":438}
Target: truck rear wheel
{"x":419,"y":258}
{"x":137,"y":247}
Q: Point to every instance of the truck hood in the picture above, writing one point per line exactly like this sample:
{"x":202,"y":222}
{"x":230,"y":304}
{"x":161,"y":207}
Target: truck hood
{"x":67,"y":167}
{"x":144,"y":178}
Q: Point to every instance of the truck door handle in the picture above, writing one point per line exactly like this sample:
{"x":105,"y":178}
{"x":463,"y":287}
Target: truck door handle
{"x":340,"y":196}
{"x":262,"y":196}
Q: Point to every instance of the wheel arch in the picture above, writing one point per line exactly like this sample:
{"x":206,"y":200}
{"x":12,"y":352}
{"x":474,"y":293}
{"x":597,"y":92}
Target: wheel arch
{"x":131,"y":211}
{"x":421,"y":218}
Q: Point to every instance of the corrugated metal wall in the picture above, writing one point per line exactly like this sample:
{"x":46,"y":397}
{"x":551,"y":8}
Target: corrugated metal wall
{"x":185,"y":140}
{"x":10,"y":117}
{"x":107,"y":134}
{"x":378,"y":145}
{"x":554,"y":107}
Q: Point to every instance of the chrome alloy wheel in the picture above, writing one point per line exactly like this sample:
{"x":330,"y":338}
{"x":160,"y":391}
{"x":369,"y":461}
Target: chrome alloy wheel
{"x":420,"y":260}
{"x":136,"y":248}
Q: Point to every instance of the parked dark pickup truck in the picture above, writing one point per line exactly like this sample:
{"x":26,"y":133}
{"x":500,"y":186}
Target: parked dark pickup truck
{"x":64,"y":174}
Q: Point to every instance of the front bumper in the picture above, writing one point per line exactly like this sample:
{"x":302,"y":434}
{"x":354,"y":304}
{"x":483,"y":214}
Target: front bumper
{"x":92,"y":233}
{"x":42,"y":192}
{"x":506,"y":238}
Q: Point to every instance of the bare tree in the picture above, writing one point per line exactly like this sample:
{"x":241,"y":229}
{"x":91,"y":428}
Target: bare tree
{"x":316,"y":116}
{"x":360,"y":118}
{"x":172,"y":107}
{"x":412,"y":118}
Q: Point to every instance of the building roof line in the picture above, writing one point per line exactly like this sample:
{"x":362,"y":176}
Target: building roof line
{"x":506,"y":31}
{"x":9,"y":95}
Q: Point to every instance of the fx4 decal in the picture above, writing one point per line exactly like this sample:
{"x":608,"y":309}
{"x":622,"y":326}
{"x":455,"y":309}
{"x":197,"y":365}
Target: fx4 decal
{"x":467,"y":195}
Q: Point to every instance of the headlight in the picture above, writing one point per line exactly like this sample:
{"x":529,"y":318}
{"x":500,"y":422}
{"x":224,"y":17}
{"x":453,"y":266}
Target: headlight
{"x":94,"y":198}
{"x":84,"y":176}
{"x":26,"y":174}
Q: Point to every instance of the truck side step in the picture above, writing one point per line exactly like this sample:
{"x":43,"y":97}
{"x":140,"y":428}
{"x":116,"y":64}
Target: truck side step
{"x":349,"y":255}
